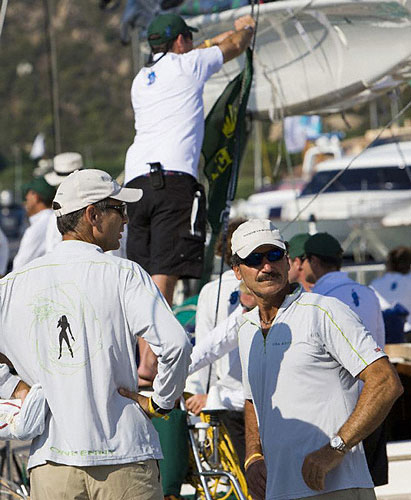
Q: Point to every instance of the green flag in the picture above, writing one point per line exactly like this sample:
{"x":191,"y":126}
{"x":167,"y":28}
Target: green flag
{"x":224,"y":142}
{"x":223,"y":147}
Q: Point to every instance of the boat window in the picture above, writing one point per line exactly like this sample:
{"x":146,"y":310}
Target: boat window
{"x":360,"y":179}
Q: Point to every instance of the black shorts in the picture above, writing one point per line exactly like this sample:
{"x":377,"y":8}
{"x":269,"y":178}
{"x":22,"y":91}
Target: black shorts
{"x":166,"y":231}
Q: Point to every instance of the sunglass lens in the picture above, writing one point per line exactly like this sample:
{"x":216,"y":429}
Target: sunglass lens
{"x":274,"y":255}
{"x":254,"y":259}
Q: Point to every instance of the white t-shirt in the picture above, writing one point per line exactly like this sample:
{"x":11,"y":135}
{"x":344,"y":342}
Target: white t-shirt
{"x":53,"y":235}
{"x":360,"y":298}
{"x":167,"y":99}
{"x":226,"y":372}
{"x":107,"y":301}
{"x":394,"y":288}
{"x":302,"y":380}
{"x":33,"y":242}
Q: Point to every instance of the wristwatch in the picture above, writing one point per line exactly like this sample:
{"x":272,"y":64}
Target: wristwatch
{"x":337,"y":443}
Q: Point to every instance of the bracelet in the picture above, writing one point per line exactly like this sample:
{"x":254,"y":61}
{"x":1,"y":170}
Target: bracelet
{"x":154,"y":412}
{"x":208,"y":43}
{"x":248,"y":27}
{"x":254,"y":455}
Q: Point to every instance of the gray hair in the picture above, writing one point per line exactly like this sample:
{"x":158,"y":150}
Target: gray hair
{"x":69,"y":222}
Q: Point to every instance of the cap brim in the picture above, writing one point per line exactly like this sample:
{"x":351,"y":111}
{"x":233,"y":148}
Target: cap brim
{"x":54,"y":179}
{"x":245,"y":252}
{"x":192,"y":29}
{"x":129,"y":195}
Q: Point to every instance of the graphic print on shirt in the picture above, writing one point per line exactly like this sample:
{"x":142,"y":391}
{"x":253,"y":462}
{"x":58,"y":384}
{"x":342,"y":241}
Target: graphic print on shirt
{"x":355,"y":298}
{"x":65,"y":332}
{"x":64,"y":326}
{"x":151,"y":77}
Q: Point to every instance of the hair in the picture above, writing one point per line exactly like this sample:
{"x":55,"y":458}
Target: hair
{"x":399,"y":260}
{"x":70,"y":222}
{"x":236,"y":260}
{"x":232,"y":226}
{"x":166,"y":46}
{"x":328,"y":262}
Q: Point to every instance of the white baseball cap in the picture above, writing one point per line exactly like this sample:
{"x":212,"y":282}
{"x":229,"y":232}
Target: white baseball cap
{"x":254,"y":233}
{"x":63,"y":165}
{"x":85,"y":187}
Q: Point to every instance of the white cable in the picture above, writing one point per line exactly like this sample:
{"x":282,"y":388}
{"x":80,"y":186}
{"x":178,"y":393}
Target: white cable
{"x":3,"y":15}
{"x":339,"y":174}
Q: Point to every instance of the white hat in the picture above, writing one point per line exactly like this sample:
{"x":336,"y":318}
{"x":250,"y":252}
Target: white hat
{"x":64,"y":164}
{"x":254,"y":233}
{"x":85,"y":187}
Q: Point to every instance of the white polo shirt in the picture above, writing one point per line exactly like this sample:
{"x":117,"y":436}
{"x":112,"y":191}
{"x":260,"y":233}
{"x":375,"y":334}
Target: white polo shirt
{"x":167,"y":99}
{"x":33,"y":242}
{"x":394,"y":288}
{"x":107,"y":301}
{"x":359,"y":298}
{"x":302,"y":380}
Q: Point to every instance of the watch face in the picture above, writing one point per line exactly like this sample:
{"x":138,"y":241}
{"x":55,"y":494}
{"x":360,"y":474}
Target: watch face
{"x":337,"y":443}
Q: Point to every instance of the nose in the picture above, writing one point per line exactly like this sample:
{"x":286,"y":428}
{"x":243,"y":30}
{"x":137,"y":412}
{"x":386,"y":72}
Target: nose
{"x":266,"y":265}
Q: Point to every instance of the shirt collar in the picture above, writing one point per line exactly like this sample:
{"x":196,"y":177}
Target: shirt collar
{"x":39,"y":215}
{"x":330,"y":279}
{"x":253,"y":316}
{"x":77,"y":245}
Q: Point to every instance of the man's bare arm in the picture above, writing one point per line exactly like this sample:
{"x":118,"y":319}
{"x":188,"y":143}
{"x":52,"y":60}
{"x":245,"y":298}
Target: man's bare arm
{"x":252,"y":434}
{"x":381,"y":388}
{"x":255,"y":470}
{"x":233,"y":43}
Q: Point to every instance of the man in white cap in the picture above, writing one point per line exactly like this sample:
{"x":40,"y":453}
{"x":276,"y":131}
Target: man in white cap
{"x":69,"y":322}
{"x":63,"y":165}
{"x":302,"y":357}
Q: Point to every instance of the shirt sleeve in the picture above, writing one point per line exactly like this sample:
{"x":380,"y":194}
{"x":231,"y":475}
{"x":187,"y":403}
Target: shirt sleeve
{"x":203,"y":63}
{"x":221,"y":340}
{"x":346,"y":339}
{"x":149,"y":316}
{"x":8,"y":382}
{"x":205,"y":315}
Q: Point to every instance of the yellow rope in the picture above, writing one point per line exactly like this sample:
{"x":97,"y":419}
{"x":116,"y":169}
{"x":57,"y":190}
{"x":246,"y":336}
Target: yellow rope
{"x":228,"y":461}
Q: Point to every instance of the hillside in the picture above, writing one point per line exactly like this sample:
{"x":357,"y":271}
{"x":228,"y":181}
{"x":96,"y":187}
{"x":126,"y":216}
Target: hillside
{"x":94,"y":76}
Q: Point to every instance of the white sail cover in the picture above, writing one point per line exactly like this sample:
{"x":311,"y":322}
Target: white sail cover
{"x":318,"y":55}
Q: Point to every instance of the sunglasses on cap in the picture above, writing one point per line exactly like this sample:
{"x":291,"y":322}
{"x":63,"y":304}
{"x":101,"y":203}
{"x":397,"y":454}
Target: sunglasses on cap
{"x":256,"y":258}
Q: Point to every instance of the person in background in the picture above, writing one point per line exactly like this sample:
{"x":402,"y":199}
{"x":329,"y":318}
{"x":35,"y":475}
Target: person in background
{"x":38,"y":196}
{"x":322,"y":268}
{"x":395,"y":286}
{"x":63,"y":165}
{"x":296,"y":255}
{"x":4,"y":253}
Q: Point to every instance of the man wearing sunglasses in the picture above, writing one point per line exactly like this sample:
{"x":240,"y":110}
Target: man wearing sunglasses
{"x":97,"y":442}
{"x":302,"y":357}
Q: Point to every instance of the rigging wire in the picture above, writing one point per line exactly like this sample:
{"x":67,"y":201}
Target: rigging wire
{"x":3,"y":15}
{"x":340,"y":173}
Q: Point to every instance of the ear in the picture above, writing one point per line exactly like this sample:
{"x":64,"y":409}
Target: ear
{"x":92,"y":215}
{"x":178,"y":45}
{"x":237,"y":272}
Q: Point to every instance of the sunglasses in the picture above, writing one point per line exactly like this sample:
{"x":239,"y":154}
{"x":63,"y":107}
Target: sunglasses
{"x":188,"y":35}
{"x":121,"y":209}
{"x":255,"y":258}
